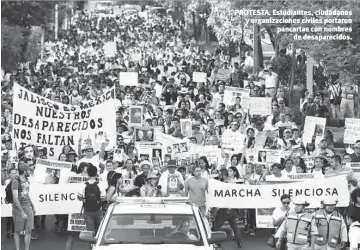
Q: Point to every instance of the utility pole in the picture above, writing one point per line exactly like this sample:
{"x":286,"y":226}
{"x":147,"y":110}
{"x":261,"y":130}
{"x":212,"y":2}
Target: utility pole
{"x":256,"y":47}
{"x":56,"y":21}
{"x":42,"y":44}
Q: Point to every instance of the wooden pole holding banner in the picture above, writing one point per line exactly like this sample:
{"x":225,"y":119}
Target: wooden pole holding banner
{"x":310,"y":75}
{"x":56,"y":21}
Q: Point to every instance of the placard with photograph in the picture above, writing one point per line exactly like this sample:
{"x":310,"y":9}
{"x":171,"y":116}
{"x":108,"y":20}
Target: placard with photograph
{"x":136,"y":115}
{"x":144,"y":134}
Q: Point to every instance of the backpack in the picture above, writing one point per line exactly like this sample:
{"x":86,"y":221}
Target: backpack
{"x":92,"y":200}
{"x":8,"y":191}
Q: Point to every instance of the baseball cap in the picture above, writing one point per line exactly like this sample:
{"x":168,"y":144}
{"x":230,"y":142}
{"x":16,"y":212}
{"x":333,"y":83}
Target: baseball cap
{"x":172,"y":163}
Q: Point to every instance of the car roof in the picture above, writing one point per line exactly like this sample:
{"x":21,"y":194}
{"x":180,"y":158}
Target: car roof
{"x":156,"y":208}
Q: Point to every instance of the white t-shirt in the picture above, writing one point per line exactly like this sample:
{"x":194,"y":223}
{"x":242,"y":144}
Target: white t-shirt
{"x":270,"y":80}
{"x":275,"y":178}
{"x":318,"y":174}
{"x":354,"y":235}
{"x":277,"y":214}
{"x":286,"y":173}
{"x":94,"y":161}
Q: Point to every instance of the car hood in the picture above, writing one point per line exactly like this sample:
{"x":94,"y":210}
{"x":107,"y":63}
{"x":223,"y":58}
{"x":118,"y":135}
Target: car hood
{"x":149,"y":247}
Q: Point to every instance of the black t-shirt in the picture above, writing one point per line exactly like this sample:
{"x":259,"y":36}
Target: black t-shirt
{"x":170,"y":96}
{"x":353,"y":212}
{"x":140,"y":180}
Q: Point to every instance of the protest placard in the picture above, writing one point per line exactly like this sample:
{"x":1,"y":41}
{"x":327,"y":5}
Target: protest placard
{"x":199,"y":77}
{"x":144,"y":134}
{"x":260,"y":106}
{"x":49,"y":199}
{"x":212,"y":153}
{"x":81,"y":179}
{"x":314,"y":127}
{"x":118,"y":155}
{"x":186,"y":127}
{"x":223,"y":74}
{"x":157,"y":153}
{"x":229,"y":195}
{"x":309,"y":162}
{"x":51,"y":125}
{"x":52,"y":172}
{"x":232,"y":93}
{"x":352,"y":130}
{"x":264,"y":217}
{"x":267,"y":156}
{"x":128,"y":78}
{"x":355,"y":167}
{"x":232,"y":140}
{"x":136,"y":115}
{"x":110,"y":49}
{"x":76,"y":222}
{"x":144,"y":151}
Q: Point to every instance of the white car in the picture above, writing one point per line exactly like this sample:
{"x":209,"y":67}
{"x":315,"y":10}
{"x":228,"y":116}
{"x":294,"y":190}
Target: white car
{"x":153,"y":224}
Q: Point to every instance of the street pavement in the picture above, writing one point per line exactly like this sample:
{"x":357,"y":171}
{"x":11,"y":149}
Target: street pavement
{"x":49,"y":240}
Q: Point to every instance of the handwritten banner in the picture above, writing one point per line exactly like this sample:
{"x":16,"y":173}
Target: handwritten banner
{"x":260,"y":106}
{"x":42,"y":122}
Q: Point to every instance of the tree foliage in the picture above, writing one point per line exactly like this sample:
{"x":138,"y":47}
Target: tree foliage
{"x":28,"y":13}
{"x":336,"y":55}
{"x":12,"y":41}
{"x":33,"y":47}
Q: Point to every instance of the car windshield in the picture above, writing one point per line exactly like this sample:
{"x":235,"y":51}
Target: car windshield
{"x":152,"y":229}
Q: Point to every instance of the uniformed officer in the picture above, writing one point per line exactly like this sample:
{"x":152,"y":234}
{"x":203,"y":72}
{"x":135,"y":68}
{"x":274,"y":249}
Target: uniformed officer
{"x":331,"y":227}
{"x":299,"y":227}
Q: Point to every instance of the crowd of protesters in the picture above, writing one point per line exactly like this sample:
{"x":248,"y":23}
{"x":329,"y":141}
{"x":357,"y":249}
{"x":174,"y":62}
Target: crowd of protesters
{"x":77,"y":70}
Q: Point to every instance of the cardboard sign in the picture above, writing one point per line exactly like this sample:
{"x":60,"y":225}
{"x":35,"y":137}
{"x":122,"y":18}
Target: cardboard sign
{"x":128,"y":78}
{"x":199,"y":77}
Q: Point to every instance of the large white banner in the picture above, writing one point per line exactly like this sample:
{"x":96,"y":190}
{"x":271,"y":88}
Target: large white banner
{"x":230,"y":195}
{"x":49,"y":199}
{"x":51,"y":125}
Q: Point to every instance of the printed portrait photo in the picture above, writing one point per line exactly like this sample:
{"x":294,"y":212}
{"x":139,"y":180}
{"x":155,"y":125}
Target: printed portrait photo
{"x":135,"y":115}
{"x":183,"y":147}
{"x":52,"y":176}
{"x":157,"y":152}
{"x":262,"y":156}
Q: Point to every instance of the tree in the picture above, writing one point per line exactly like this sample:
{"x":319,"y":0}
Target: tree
{"x":12,"y":41}
{"x":33,"y":47}
{"x":28,"y":13}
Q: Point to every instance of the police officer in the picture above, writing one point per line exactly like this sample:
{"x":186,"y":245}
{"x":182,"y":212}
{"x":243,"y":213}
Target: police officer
{"x":331,"y":227}
{"x":299,"y":228}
